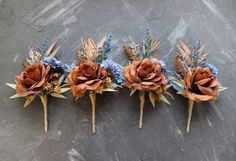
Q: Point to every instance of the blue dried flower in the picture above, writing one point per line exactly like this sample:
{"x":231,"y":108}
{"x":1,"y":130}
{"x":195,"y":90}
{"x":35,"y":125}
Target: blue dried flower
{"x":147,"y":43}
{"x":53,"y":62}
{"x":197,"y":45}
{"x":163,"y":65}
{"x":106,"y":48}
{"x":116,"y":70}
{"x":213,"y":69}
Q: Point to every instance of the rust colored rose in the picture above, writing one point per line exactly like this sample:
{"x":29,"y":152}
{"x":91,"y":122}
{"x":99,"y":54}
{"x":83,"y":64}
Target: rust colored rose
{"x":85,"y":76}
{"x":145,"y":75}
{"x":31,"y":80}
{"x":201,"y":84}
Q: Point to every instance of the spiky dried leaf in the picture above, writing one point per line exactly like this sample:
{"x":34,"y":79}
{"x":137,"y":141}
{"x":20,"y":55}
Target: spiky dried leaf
{"x":29,"y":99}
{"x":51,"y":50}
{"x":58,"y":95}
{"x":15,"y":96}
{"x":164,"y":99}
{"x":132,"y":92}
{"x":130,"y":52}
{"x":11,"y":85}
{"x":152,"y":98}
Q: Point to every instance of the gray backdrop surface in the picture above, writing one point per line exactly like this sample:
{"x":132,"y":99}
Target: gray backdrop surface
{"x":24,"y":23}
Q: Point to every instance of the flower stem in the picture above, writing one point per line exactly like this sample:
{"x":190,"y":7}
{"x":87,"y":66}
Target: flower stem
{"x":190,"y":110}
{"x":45,"y":112}
{"x":142,"y":100}
{"x":93,"y":100}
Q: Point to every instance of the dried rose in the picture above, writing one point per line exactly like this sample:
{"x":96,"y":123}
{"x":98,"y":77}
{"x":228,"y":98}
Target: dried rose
{"x":145,"y":75}
{"x":31,"y":80}
{"x":87,"y":75}
{"x":200,"y":84}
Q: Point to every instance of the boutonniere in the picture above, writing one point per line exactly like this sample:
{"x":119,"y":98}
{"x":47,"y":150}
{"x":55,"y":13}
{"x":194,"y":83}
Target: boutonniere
{"x":145,"y":73}
{"x":94,"y":73}
{"x":197,"y":79}
{"x":42,"y":75}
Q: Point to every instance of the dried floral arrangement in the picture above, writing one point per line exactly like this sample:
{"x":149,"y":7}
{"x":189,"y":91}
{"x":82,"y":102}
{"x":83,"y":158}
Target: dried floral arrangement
{"x":197,"y":79}
{"x":95,"y":73}
{"x":145,"y":73}
{"x":42,"y":75}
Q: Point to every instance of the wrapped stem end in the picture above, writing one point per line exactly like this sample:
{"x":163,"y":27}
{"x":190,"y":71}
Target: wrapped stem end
{"x":92,"y":97}
{"x":190,"y":110}
{"x":142,"y":100}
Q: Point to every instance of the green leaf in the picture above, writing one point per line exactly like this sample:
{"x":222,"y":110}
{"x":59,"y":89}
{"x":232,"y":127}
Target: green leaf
{"x":58,"y":95}
{"x":64,"y":90}
{"x":15,"y":96}
{"x":163,"y":98}
{"x":11,"y":85}
{"x":132,"y":92}
{"x":29,"y":99}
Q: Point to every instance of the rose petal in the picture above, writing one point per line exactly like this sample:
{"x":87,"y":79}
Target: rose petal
{"x":82,"y":78}
{"x":205,"y":90}
{"x":214,"y":83}
{"x":39,"y":84}
{"x":134,"y":76}
{"x":78,"y":90}
{"x":28,"y":81}
{"x":94,"y":85}
{"x":203,"y":81}
{"x":150,"y":76}
{"x":197,"y":97}
{"x":137,"y":86}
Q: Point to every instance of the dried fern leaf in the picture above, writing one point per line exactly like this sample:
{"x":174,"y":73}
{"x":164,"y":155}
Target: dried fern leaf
{"x":185,"y":48}
{"x":180,"y":68}
{"x":155,"y":45}
{"x":202,"y":58}
{"x":51,"y":48}
{"x":129,"y":52}
{"x":101,"y":42}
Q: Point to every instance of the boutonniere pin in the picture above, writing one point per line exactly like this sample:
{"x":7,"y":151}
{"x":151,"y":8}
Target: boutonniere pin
{"x":42,"y":75}
{"x":197,"y":79}
{"x":94,"y":73}
{"x":145,"y":73}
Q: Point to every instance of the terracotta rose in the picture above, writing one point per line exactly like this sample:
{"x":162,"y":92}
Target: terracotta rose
{"x":145,"y":75}
{"x":85,"y":76}
{"x":31,"y":80}
{"x":201,"y":84}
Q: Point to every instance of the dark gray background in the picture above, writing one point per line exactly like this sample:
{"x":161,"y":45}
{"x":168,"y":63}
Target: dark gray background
{"x":24,"y":23}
